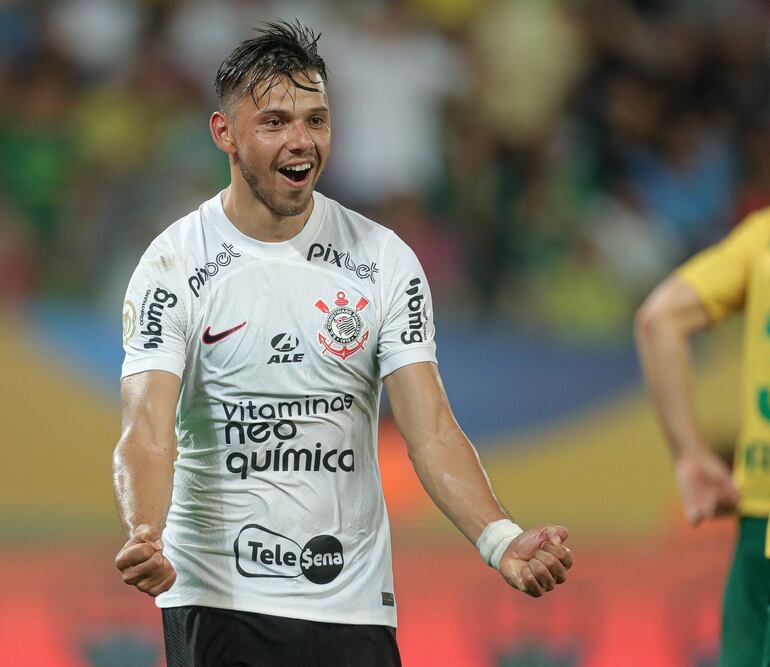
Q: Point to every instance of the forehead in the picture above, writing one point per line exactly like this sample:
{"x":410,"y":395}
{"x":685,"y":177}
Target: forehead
{"x":306,"y":90}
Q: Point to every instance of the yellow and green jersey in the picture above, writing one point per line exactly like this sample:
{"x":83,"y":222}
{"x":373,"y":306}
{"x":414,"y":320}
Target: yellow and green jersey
{"x":731,"y":276}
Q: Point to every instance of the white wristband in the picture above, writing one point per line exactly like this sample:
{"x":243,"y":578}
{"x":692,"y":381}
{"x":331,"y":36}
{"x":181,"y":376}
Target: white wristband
{"x":494,"y":540}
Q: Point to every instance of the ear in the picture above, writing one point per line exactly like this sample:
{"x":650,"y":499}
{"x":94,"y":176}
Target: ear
{"x":222,"y":132}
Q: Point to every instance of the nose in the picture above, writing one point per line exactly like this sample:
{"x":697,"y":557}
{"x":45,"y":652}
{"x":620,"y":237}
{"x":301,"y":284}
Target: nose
{"x":299,"y":140}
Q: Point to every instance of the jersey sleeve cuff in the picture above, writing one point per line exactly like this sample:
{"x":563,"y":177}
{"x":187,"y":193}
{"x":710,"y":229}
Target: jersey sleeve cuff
{"x":152,"y":364}
{"x":715,"y":310}
{"x":401,"y":358}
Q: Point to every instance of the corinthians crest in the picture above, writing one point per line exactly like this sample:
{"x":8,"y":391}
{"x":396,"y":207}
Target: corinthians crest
{"x":343,"y":325}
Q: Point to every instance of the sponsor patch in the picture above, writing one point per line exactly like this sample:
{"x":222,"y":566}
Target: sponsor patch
{"x":202,"y":274}
{"x":284,"y":346}
{"x":129,"y":321}
{"x":343,"y":259}
{"x":417,"y":322}
{"x":152,"y":318}
{"x":264,"y":553}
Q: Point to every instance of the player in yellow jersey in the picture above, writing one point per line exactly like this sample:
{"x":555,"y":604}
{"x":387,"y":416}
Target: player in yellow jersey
{"x":729,"y":277}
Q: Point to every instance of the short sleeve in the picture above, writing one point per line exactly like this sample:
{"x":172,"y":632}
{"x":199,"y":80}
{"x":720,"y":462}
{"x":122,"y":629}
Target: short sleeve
{"x":155,"y":315}
{"x":720,"y":274}
{"x":407,"y":332}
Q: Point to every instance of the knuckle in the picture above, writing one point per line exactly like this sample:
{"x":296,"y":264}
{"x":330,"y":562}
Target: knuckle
{"x":549,"y":560}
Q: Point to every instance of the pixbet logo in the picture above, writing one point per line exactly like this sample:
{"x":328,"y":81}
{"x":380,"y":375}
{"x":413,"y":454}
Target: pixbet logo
{"x":153,"y":327}
{"x":266,"y":554}
{"x":284,"y":344}
{"x":343,"y":260}
{"x":210,"y":269}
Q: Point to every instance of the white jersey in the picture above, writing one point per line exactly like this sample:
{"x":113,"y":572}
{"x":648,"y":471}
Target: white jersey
{"x":277,"y":504}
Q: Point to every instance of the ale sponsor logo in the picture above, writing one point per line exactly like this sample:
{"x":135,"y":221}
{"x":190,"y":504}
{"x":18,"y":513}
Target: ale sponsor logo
{"x":284,"y":346}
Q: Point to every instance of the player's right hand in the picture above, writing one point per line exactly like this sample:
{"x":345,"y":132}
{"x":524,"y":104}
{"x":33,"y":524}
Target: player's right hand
{"x":142,"y":562}
{"x":706,"y":486}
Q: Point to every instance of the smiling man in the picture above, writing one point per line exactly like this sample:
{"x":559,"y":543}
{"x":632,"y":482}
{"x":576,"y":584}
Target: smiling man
{"x":259,"y":331}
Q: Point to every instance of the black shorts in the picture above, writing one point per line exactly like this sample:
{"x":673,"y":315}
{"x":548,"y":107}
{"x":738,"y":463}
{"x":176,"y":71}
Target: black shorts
{"x":208,"y":637}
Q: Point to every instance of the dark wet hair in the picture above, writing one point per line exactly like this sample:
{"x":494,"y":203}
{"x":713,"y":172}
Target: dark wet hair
{"x":280,"y":49}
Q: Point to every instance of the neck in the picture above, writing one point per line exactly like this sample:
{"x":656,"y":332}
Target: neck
{"x":252,"y":218}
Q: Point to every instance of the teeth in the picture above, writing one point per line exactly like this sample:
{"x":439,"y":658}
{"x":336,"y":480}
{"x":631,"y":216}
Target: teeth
{"x":299,"y":167}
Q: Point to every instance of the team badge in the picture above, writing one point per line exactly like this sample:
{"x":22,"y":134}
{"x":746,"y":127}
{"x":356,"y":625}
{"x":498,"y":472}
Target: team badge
{"x":129,"y":321}
{"x":343,"y":325}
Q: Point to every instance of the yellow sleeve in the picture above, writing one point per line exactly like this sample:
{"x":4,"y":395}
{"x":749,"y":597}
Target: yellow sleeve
{"x":720,"y":274}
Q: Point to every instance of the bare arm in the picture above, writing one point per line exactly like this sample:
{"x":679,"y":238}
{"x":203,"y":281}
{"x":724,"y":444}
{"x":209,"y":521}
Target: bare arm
{"x":664,"y":324}
{"x":450,"y":471}
{"x":143,"y":465}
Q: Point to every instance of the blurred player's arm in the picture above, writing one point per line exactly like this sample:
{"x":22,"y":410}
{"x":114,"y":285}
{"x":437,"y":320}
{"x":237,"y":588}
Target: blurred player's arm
{"x":664,"y":324}
{"x":143,"y":474}
{"x":450,"y":471}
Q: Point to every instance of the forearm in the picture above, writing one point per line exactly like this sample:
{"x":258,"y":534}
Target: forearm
{"x":143,"y":477}
{"x":451,"y":473}
{"x":664,"y":353}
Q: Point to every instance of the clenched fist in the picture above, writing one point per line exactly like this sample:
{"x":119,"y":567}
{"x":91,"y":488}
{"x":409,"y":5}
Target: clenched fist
{"x":142,"y":562}
{"x":537,"y":560}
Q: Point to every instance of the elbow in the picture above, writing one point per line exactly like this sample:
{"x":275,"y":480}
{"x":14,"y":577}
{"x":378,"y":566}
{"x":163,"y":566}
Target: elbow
{"x":658,"y":316}
{"x":648,"y":319}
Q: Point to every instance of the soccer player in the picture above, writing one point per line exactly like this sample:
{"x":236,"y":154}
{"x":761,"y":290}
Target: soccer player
{"x":730,"y":277}
{"x":258,"y":332}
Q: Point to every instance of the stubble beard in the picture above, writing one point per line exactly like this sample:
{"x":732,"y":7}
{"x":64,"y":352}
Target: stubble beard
{"x":282,"y":207}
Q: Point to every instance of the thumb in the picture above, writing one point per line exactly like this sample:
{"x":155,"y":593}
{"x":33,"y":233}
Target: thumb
{"x":556,"y":534}
{"x":732,"y":492}
{"x":148,"y":534}
{"x":692,"y":516}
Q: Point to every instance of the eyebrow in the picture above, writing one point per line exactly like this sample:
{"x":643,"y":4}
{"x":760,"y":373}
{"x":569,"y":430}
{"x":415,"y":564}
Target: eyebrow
{"x":283,"y":112}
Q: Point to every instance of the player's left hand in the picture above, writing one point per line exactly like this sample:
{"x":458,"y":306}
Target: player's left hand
{"x":537,"y":560}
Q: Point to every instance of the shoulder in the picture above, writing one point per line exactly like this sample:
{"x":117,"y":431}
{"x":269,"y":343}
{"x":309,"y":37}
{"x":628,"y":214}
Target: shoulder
{"x":755,"y":225}
{"x":358,"y":231}
{"x":353,"y":225}
{"x":176,"y":248}
{"x":178,"y":237}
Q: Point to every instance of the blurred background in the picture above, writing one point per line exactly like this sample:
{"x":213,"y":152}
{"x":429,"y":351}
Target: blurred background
{"x":549,"y":162}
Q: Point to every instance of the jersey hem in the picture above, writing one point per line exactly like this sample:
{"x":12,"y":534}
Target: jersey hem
{"x":754,"y":510}
{"x":152,"y":364}
{"x":716,"y":311}
{"x":354,"y":618}
{"x":401,"y":358}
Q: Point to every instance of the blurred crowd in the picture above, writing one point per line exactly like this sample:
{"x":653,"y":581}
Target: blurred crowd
{"x":549,"y":161}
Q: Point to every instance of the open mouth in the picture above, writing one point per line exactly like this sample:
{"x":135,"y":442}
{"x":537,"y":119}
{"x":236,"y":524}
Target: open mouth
{"x":297,"y":173}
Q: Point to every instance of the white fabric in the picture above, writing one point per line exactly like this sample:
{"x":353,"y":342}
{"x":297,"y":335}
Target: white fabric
{"x":314,"y":325}
{"x":494,"y":540}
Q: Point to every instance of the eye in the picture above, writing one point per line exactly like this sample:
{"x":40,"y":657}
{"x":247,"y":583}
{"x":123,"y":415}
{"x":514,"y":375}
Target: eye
{"x":317,"y":121}
{"x":274,"y":122}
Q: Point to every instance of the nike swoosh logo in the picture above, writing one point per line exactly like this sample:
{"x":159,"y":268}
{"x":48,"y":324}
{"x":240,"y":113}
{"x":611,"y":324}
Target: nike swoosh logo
{"x":210,"y":338}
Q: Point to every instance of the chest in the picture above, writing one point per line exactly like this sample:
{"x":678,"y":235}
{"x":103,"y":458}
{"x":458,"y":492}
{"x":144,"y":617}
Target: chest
{"x":274,"y":324}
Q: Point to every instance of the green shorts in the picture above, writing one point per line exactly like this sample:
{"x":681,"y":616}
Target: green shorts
{"x":746,"y":613}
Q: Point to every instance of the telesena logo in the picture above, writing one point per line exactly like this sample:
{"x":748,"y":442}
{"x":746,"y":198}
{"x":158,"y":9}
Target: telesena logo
{"x":210,"y":269}
{"x":266,"y":554}
{"x":342,"y":259}
{"x":151,"y":316}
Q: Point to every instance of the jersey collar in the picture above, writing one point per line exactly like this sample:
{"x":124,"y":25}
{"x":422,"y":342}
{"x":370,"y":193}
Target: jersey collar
{"x":215,"y":214}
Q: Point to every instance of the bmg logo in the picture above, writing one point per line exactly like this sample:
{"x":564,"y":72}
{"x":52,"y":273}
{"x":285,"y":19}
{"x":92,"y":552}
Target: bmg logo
{"x":263,"y":553}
